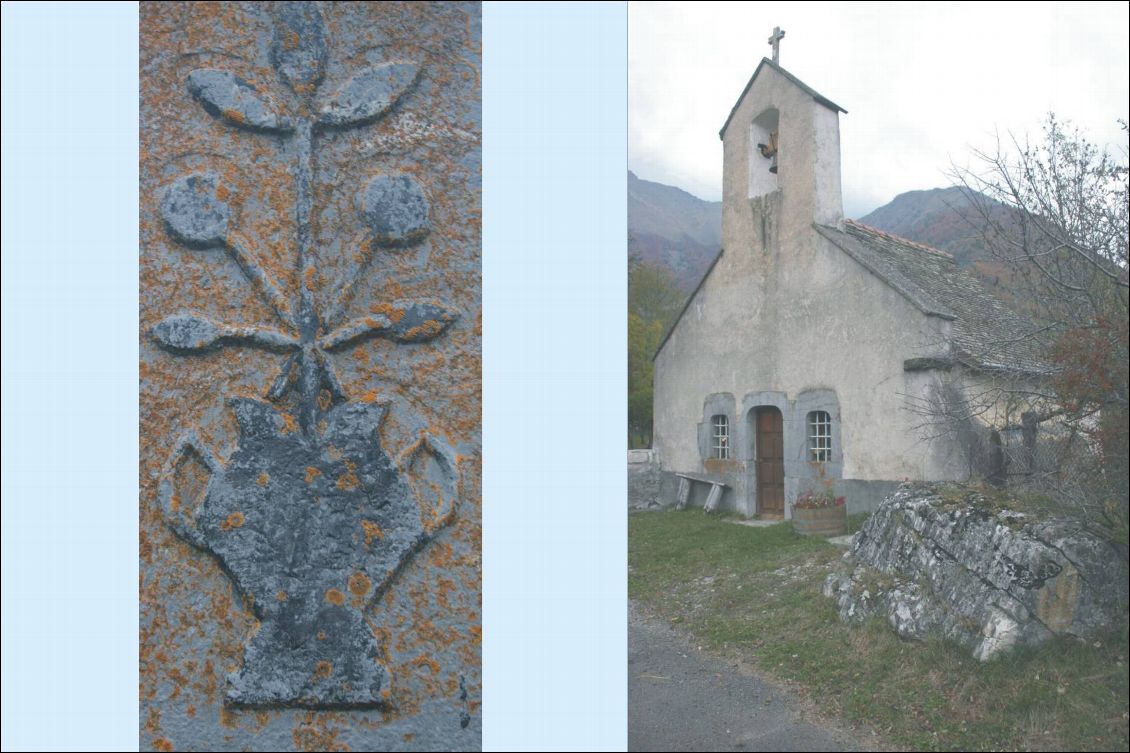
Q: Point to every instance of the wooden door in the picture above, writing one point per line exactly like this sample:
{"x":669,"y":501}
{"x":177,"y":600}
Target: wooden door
{"x":770,"y":463}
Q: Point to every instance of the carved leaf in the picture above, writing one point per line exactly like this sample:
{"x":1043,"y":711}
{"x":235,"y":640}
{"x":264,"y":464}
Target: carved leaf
{"x":368,"y":95}
{"x":395,"y":209}
{"x":194,"y":211}
{"x":299,"y":47}
{"x":422,"y":321}
{"x":407,"y":323}
{"x":186,"y":333}
{"x":227,"y":96}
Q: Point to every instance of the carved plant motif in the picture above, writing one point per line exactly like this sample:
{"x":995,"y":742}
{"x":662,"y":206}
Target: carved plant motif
{"x":311,"y":519}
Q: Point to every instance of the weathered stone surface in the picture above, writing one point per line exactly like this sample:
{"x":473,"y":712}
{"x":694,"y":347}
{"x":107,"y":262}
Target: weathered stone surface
{"x":228,"y":96}
{"x":644,"y":481}
{"x":195,"y":214}
{"x":395,"y":209}
{"x":939,"y":558}
{"x":299,"y":47}
{"x":310,"y":376}
{"x":369,"y":94}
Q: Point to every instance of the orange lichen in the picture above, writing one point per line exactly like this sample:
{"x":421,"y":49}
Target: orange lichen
{"x":428,"y":329}
{"x":153,"y":721}
{"x":235,"y":116}
{"x":229,"y":718}
{"x":222,"y":192}
{"x":163,"y":744}
{"x":423,"y":660}
{"x":323,"y":670}
{"x":263,"y":479}
{"x":372,"y":531}
{"x":311,"y":474}
{"x":335,"y":597}
{"x":369,"y":397}
{"x":359,"y":584}
{"x":441,"y":383}
{"x":281,"y":596}
{"x":445,"y":588}
{"x":234,"y":520}
{"x":325,"y":400}
{"x":393,"y":313}
{"x":289,"y":424}
{"x":348,"y":481}
{"x":321,"y":635}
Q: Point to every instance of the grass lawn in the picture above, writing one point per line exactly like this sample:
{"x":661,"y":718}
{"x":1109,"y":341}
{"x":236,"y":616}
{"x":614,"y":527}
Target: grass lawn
{"x":756,"y":592}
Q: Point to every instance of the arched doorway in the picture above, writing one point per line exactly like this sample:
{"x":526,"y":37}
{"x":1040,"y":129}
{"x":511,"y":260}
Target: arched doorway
{"x":769,"y":448}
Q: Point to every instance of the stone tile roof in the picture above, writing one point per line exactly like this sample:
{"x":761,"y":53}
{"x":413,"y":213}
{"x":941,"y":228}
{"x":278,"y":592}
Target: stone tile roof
{"x":985,"y":333}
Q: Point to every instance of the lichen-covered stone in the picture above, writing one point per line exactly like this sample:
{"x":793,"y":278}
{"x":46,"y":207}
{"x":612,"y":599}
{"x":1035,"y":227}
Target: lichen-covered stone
{"x":932,"y":560}
{"x":194,"y":212}
{"x":368,"y":94}
{"x":312,"y":529}
{"x":310,"y":521}
{"x":186,"y":333}
{"x":395,"y":208}
{"x":299,"y":49}
{"x":228,"y":96}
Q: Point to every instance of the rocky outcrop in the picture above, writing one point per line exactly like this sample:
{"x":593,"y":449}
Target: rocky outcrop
{"x":938,"y":558}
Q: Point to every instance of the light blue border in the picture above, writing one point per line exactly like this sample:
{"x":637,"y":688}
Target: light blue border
{"x":555,"y":376}
{"x":69,"y":364}
{"x":554,"y":232}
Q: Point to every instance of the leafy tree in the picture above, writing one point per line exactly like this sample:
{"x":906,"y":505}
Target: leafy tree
{"x":654,"y":299}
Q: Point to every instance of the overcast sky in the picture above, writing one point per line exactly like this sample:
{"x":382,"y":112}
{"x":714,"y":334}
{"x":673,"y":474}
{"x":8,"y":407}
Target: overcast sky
{"x":922,"y":83}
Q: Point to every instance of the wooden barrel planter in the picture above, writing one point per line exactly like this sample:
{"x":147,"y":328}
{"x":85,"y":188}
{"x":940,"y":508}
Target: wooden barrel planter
{"x":820,"y":521}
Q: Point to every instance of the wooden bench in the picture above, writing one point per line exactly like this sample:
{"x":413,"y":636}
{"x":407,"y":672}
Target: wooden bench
{"x":712,"y":499}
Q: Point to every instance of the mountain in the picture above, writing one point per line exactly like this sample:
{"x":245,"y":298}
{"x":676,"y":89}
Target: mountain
{"x":943,"y":218}
{"x":938,"y":217}
{"x":671,"y":228}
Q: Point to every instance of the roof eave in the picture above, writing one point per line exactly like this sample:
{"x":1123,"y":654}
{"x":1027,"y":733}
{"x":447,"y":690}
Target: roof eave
{"x":925,"y":306}
{"x":686,"y":305}
{"x":820,"y":98}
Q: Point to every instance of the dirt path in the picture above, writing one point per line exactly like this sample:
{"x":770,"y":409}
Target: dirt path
{"x":680,"y":698}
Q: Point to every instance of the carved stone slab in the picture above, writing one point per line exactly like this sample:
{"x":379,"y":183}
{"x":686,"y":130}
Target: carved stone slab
{"x":310,"y":376}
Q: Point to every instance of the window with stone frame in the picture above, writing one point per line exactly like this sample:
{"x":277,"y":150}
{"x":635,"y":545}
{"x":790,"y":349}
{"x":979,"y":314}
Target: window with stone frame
{"x":819,"y":436}
{"x":720,"y":437}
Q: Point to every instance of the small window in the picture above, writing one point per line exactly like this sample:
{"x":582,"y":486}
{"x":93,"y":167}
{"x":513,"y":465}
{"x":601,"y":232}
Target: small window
{"x":721,"y":437}
{"x":819,"y":436}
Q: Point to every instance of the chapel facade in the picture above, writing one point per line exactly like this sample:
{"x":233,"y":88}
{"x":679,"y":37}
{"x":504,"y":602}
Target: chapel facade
{"x":793,"y":363}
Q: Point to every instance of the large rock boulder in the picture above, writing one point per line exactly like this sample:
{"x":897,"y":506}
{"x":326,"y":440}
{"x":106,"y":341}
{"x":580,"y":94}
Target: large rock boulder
{"x":948,"y":559}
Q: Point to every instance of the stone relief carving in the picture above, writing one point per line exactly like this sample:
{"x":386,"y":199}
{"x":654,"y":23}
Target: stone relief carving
{"x":310,"y":517}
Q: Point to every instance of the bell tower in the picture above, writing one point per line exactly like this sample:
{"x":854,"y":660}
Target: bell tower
{"x":781,"y":156}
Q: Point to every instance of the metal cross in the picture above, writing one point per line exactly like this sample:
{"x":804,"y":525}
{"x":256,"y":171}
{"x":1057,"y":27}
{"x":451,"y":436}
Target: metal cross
{"x":775,"y":40}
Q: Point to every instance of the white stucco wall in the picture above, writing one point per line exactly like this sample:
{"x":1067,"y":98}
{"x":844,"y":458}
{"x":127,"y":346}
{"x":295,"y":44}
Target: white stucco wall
{"x":786,"y":311}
